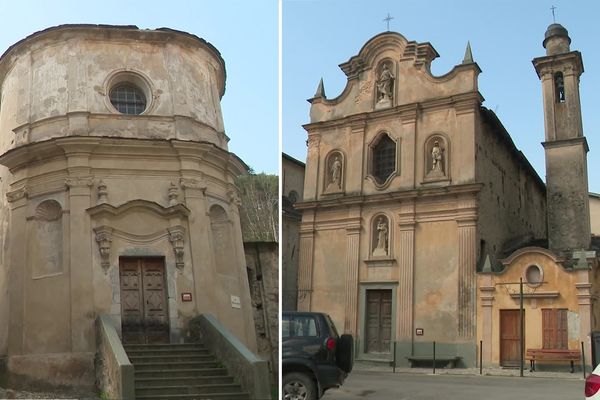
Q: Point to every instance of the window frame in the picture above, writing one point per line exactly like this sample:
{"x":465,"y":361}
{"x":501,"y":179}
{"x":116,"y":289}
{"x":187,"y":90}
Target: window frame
{"x":555,"y":328}
{"x":382,"y":181}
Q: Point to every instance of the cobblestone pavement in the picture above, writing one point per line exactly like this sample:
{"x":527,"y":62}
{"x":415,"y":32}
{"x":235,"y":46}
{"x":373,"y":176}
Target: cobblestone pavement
{"x":59,"y":394}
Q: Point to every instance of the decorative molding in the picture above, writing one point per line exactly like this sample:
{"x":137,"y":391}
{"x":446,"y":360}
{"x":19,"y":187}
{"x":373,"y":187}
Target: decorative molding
{"x":190,"y":183}
{"x":102,"y":192}
{"x":178,"y":210}
{"x":234,"y":197}
{"x":79,"y":182}
{"x":17,"y":194}
{"x":313,"y":141}
{"x":104,"y":239}
{"x":173,"y":194}
{"x":380,"y":262}
{"x":536,"y":295}
{"x":176,"y":237}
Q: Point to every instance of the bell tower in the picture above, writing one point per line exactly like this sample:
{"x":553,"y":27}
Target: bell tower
{"x":565,"y":146}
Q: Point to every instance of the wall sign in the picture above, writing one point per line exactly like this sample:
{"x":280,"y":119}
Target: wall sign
{"x":235,"y":302}
{"x":186,"y":297}
{"x":419,"y":331}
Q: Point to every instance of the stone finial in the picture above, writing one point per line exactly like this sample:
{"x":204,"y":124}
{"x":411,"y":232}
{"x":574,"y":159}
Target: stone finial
{"x":487,"y":265}
{"x":320,"y":93}
{"x":102,"y":193}
{"x":468,"y":58}
{"x":173,"y":194}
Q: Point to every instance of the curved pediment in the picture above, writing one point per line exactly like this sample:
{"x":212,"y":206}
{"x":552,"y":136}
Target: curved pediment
{"x":178,"y":210}
{"x":390,"y":71}
{"x":140,"y":218}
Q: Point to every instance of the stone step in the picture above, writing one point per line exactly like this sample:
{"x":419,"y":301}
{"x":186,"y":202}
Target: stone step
{"x":195,"y":389}
{"x":137,"y":360}
{"x":176,"y":365}
{"x":176,"y":351}
{"x":178,"y":373}
{"x":209,"y":396}
{"x":169,"y":347}
{"x":188,"y":380}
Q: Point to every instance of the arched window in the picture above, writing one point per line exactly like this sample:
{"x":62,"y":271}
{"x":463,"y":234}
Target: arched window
{"x":384,"y":158}
{"x":559,"y":87}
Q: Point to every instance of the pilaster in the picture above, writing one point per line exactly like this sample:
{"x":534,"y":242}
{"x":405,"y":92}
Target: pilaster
{"x":352,"y":263}
{"x":305,"y":264}
{"x":406,"y":225}
{"x":467,"y":252}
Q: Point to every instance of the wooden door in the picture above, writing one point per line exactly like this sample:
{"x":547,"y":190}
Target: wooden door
{"x":379,"y":321}
{"x":510,"y":336}
{"x":143,"y":300}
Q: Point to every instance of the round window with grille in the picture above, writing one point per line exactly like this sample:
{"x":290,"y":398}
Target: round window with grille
{"x":128,"y":99}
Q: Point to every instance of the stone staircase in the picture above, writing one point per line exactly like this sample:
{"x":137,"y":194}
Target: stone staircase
{"x":180,"y":371}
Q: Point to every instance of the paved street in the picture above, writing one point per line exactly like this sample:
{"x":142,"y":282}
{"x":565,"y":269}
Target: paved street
{"x":369,"y":385}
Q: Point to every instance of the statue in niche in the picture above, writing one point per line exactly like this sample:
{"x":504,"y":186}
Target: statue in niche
{"x":437,"y":160}
{"x":381,"y":248}
{"x":335,"y":174}
{"x":385,"y":85}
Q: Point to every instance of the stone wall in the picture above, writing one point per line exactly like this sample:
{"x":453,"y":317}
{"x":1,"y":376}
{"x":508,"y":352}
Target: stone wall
{"x":262,"y":261}
{"x":512,"y":200}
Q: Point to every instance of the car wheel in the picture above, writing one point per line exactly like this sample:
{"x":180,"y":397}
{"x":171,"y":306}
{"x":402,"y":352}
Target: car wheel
{"x":298,"y":386}
{"x":344,"y":356}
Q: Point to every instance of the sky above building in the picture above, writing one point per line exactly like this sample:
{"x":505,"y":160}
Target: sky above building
{"x":244,"y":32}
{"x":505,"y":35}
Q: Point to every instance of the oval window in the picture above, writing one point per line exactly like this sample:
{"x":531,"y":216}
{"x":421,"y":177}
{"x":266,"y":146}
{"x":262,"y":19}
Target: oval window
{"x":533,"y":275}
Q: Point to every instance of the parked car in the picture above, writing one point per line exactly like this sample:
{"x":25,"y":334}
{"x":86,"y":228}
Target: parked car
{"x":592,"y":385}
{"x":314,"y":357}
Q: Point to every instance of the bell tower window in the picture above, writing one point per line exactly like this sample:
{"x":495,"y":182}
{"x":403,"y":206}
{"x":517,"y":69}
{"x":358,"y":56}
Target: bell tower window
{"x":559,"y":87}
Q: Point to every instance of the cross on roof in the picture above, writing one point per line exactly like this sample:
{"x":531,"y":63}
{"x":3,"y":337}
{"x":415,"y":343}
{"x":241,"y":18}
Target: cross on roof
{"x":388,"y":19}
{"x":553,"y":16}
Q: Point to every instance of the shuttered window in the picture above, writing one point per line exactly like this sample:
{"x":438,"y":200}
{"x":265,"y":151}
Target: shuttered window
{"x":554,"y":328}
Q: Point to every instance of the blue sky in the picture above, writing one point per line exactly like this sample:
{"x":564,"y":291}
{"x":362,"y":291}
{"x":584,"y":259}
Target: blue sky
{"x":245,"y":32}
{"x":505,"y":36}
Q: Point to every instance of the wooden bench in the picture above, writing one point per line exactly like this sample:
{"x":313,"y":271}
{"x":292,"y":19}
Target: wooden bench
{"x":534,"y":355}
{"x":448,"y":361}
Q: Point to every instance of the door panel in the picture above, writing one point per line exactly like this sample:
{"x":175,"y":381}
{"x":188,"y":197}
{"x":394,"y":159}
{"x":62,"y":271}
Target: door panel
{"x":379,"y":321}
{"x":143,"y":300}
{"x":510,"y":353}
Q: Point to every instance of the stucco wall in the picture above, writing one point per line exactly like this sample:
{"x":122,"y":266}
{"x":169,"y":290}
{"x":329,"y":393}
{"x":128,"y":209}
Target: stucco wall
{"x":159,"y":184}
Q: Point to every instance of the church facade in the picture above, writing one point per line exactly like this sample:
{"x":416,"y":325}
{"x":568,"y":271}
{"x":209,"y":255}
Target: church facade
{"x":411,"y":188}
{"x":117,"y":196}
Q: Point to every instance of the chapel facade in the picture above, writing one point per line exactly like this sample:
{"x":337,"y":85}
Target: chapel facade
{"x":560,"y":277}
{"x":117,"y":196}
{"x":411,"y":187}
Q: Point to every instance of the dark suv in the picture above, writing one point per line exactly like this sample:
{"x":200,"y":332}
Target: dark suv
{"x":314,"y":357}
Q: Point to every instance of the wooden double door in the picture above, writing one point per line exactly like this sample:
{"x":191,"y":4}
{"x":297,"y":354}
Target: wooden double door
{"x":144,"y":306}
{"x":379,"y":321}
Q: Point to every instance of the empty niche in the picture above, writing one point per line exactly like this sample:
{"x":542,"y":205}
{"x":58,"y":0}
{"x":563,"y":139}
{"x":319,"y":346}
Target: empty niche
{"x":334,"y":172}
{"x":436,"y":158}
{"x":380,"y":237}
{"x":221,"y":239}
{"x":45,"y":242}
